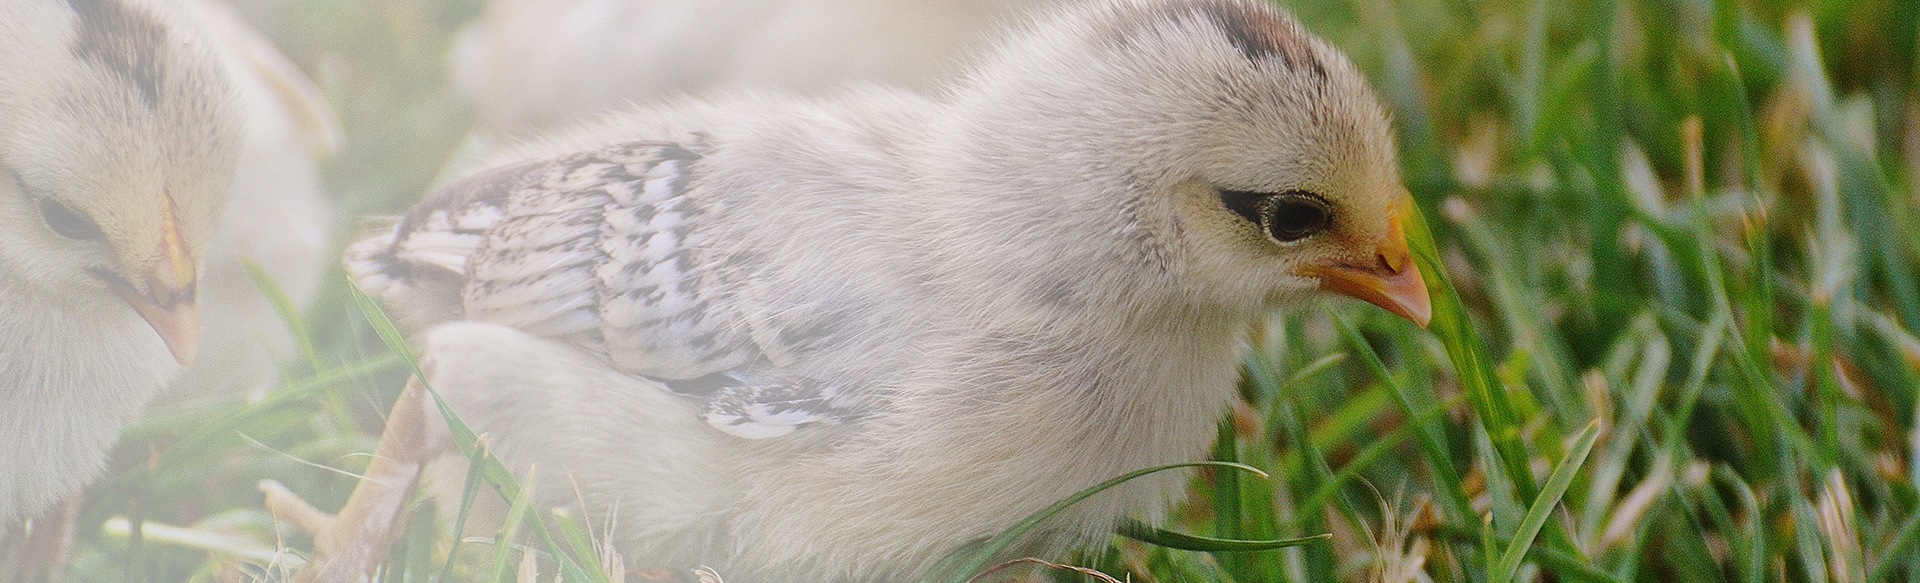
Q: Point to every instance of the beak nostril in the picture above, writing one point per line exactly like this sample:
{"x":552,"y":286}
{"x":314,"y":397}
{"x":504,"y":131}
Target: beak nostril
{"x":1393,"y":263}
{"x":167,"y":296}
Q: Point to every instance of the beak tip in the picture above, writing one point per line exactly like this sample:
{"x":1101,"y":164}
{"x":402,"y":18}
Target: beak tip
{"x":1419,"y":307}
{"x":1421,"y":316}
{"x":181,"y":332}
{"x":1414,"y":306}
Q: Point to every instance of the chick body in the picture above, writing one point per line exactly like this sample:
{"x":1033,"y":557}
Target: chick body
{"x":833,"y":339}
{"x":896,"y":345}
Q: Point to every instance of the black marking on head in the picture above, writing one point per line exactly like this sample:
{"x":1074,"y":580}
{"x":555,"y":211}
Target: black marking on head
{"x":123,"y":41}
{"x":1259,"y":32}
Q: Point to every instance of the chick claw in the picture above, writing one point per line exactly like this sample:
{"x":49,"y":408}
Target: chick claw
{"x":348,"y":547}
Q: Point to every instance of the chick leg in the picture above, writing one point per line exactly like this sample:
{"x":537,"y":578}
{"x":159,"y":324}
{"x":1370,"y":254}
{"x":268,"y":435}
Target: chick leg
{"x":348,"y":546}
{"x":539,"y":400}
{"x":41,"y":553}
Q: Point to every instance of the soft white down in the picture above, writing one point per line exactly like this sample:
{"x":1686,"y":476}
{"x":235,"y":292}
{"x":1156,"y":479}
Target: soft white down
{"x":835,"y":339}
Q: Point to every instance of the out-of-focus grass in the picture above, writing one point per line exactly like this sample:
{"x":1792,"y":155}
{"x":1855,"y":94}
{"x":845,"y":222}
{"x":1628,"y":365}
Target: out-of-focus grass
{"x":1690,"y":221}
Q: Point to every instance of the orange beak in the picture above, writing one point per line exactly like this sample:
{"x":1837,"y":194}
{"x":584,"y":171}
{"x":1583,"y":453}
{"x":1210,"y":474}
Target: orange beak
{"x":1390,"y":281}
{"x":177,"y":318}
{"x":168,"y":302}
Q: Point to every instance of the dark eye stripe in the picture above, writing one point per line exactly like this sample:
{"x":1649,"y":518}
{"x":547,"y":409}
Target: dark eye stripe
{"x":67,"y":222}
{"x":1245,"y":203}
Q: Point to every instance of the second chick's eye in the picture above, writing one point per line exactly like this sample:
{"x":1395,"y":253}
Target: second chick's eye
{"x":1292,"y":216}
{"x":67,"y":222}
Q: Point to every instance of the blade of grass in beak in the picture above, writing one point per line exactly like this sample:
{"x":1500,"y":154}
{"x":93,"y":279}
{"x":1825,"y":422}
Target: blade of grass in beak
{"x":1465,"y":350}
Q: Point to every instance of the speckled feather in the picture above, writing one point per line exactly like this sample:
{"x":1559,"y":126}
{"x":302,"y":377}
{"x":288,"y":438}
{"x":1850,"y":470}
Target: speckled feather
{"x":598,"y":249}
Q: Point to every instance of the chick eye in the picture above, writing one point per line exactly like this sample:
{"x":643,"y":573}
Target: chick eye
{"x":67,"y":222}
{"x":1292,"y":216}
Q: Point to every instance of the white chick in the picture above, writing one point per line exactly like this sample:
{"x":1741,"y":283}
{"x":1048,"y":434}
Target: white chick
{"x":118,"y":139}
{"x":535,"y":65}
{"x":277,"y":217}
{"x":834,"y":340}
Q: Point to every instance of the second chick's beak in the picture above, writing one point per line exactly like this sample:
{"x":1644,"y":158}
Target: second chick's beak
{"x":165,"y":294}
{"x":1390,"y":279}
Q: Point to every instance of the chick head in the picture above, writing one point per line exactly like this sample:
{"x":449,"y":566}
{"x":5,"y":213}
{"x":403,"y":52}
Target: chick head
{"x":1252,"y":155}
{"x":119,"y":140}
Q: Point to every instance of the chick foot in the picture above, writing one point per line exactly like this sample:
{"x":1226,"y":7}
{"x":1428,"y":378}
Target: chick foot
{"x":41,"y":553}
{"x":347,"y":547}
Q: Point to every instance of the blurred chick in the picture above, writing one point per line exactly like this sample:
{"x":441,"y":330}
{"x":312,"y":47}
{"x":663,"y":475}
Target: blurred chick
{"x":833,"y":340}
{"x":536,"y":65}
{"x":277,"y":217}
{"x":118,"y":138}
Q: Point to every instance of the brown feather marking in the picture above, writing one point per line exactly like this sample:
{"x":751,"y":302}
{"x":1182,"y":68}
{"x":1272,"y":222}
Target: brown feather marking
{"x":126,"y":42}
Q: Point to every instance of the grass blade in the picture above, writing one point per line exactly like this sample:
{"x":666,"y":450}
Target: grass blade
{"x":468,"y":489}
{"x":1463,"y":346}
{"x":503,"y":543}
{"x":1186,"y":542}
{"x":289,"y":314}
{"x":1453,"y":497}
{"x":582,"y":545}
{"x":961,"y":567}
{"x":496,"y":473}
{"x":1899,"y":550}
{"x":1543,"y":504}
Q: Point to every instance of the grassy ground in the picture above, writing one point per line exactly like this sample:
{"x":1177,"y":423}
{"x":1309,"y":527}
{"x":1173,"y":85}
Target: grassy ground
{"x":1683,"y":230}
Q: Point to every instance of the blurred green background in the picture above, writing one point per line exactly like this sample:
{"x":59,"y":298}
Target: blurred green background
{"x":1692,"y":221}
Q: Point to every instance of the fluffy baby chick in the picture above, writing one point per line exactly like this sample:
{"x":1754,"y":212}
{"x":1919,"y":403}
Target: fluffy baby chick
{"x":834,"y":340}
{"x":118,"y":141}
{"x":536,"y":65}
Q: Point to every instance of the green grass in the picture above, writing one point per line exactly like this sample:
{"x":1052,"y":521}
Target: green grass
{"x":1674,"y":340}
